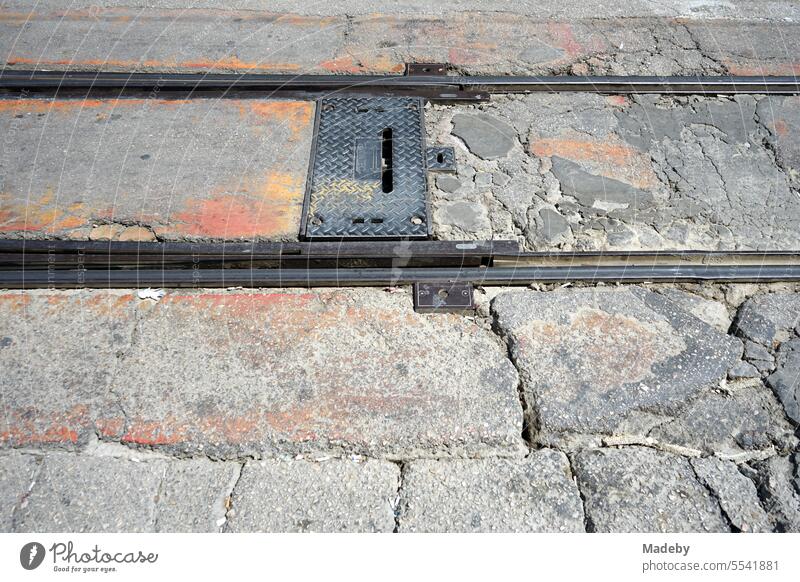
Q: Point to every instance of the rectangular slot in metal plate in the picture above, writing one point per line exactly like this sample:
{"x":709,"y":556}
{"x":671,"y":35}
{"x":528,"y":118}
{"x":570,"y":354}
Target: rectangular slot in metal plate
{"x":368,"y":170}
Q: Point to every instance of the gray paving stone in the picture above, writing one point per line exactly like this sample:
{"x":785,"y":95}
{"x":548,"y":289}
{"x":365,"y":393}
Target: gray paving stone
{"x":535,"y":494}
{"x":598,"y":194}
{"x":193,"y":495}
{"x":781,"y":498}
{"x":736,"y":494}
{"x":448,"y":184}
{"x":768,"y":319}
{"x":641,"y":490}
{"x":759,"y":356}
{"x":82,"y":493}
{"x":467,"y":217}
{"x":554,"y":227}
{"x":743,"y":421}
{"x":486,"y":136}
{"x":785,"y":381}
{"x":591,"y":358}
{"x":743,"y":370}
{"x":303,"y":496}
{"x":17,"y":473}
{"x":713,"y":313}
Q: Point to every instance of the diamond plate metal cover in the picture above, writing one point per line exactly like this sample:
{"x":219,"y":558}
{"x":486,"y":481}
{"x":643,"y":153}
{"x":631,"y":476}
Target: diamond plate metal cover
{"x":345,"y":196}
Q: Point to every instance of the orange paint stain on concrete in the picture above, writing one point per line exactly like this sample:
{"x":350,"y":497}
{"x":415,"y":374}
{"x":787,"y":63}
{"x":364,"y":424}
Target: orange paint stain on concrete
{"x":14,"y":302}
{"x":781,"y":128}
{"x":31,"y":426}
{"x":758,"y":69}
{"x":265,"y":207}
{"x":297,"y":115}
{"x":609,"y":157}
{"x":369,"y":64}
{"x":239,"y":305}
{"x":17,"y":106}
{"x":564,"y":38}
{"x":231,"y":63}
{"x":37,"y":215}
{"x":151,"y":433}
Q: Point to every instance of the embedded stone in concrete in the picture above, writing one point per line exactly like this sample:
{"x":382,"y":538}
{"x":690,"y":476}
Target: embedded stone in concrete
{"x":486,"y":136}
{"x":194,"y":495}
{"x":467,"y":217}
{"x":597,"y":193}
{"x":641,"y":490}
{"x":743,"y":370}
{"x":302,"y":496}
{"x":535,"y":494}
{"x":736,"y":494}
{"x":448,"y":184}
{"x":768,"y":319}
{"x":776,"y":478}
{"x":785,"y":381}
{"x":554,"y":227}
{"x":17,"y":472}
{"x":81,"y":493}
{"x":589,"y":358}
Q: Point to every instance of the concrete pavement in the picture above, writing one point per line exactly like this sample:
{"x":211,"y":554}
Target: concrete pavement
{"x":641,"y":408}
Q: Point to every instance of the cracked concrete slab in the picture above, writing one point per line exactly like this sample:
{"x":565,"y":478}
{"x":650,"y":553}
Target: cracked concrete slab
{"x":140,"y":168}
{"x":642,"y":172}
{"x":605,"y":361}
{"x":299,"y":369}
{"x":776,"y":479}
{"x":194,"y":496}
{"x":535,"y":494}
{"x":17,"y":475}
{"x":641,"y":490}
{"x":302,"y":496}
{"x":736,"y":494}
{"x":81,"y":493}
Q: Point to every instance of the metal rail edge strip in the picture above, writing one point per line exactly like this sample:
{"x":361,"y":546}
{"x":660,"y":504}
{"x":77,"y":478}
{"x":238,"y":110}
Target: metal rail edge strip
{"x":431,"y":86}
{"x":494,"y":276}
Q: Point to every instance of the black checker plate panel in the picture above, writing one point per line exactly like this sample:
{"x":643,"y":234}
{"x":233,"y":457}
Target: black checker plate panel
{"x":345,"y":197}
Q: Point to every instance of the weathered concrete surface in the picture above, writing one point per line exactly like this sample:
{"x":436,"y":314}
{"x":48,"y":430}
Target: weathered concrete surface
{"x":59,"y":354}
{"x":171,"y":168}
{"x":608,"y":360}
{"x":785,"y":382}
{"x":769,"y":324}
{"x":640,"y":490}
{"x":234,"y":373}
{"x":736,"y":494}
{"x":194,"y":496}
{"x":743,"y":421}
{"x":777,"y":480}
{"x":768,"y":319}
{"x":302,"y":496}
{"x":365,"y":37}
{"x":615,"y":172}
{"x":17,"y":473}
{"x":535,"y":494}
{"x":81,"y":493}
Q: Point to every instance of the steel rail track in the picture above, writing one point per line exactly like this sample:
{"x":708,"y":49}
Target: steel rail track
{"x":335,"y":277}
{"x":432,"y":86}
